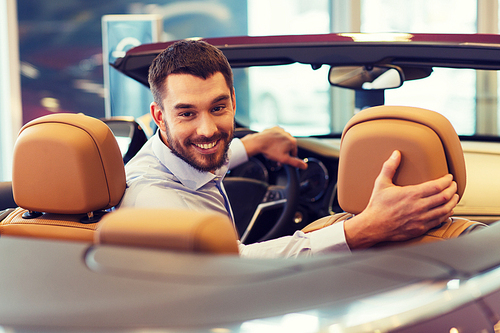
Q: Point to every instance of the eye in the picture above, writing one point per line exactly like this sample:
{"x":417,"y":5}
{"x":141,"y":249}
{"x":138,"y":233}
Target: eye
{"x":218,"y":108}
{"x":186,"y":114}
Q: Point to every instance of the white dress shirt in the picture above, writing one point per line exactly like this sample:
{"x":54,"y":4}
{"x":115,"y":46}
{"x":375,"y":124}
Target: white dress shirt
{"x":157,"y":178}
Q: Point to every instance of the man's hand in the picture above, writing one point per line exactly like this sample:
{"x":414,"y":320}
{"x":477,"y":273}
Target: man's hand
{"x":396,"y":213}
{"x":275,"y":144}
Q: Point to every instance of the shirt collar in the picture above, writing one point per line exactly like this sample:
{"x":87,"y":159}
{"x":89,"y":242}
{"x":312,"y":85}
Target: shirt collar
{"x":185,"y":173}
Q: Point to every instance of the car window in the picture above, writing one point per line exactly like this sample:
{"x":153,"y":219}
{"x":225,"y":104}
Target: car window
{"x":451,"y":92}
{"x":299,"y":99}
{"x":295,"y":97}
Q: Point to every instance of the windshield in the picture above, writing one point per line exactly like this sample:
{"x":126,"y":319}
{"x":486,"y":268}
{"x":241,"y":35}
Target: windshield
{"x":295,"y":97}
{"x":300,"y":99}
{"x":450,"y":92}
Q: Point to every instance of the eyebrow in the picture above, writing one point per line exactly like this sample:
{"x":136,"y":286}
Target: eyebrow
{"x":182,"y":106}
{"x":220,"y":98}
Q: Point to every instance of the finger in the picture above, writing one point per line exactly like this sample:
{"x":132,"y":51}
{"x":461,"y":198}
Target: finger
{"x":391,"y":165}
{"x":295,"y":162}
{"x":438,"y":204}
{"x":290,"y":142}
{"x":432,"y":219}
{"x":444,"y":196}
{"x":388,"y":169}
{"x":294,"y":150}
{"x":440,"y":213}
{"x":436,"y":186}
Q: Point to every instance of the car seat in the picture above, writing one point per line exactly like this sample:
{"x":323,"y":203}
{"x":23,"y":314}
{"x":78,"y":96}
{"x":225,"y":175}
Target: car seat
{"x":67,"y":169}
{"x":68,"y":173}
{"x":429,"y":146}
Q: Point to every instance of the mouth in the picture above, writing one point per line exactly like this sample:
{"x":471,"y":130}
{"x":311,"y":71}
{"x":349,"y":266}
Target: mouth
{"x":206,"y":147}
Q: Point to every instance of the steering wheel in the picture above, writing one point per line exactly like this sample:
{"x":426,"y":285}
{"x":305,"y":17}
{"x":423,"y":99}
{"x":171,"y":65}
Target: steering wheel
{"x":250,"y":198}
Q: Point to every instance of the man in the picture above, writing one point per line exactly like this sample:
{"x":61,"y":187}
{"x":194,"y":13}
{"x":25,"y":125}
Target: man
{"x":183,"y":164}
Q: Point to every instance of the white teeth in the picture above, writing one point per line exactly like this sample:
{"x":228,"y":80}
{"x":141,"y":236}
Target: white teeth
{"x":206,"y":145}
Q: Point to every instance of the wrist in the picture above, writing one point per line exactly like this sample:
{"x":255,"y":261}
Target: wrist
{"x":252,"y":144}
{"x":358,"y":234}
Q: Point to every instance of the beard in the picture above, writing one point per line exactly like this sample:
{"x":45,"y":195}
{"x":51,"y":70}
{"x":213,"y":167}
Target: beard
{"x":201,"y":162}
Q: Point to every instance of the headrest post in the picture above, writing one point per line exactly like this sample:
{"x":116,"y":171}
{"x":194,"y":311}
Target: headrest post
{"x":92,"y":217}
{"x":31,"y":214}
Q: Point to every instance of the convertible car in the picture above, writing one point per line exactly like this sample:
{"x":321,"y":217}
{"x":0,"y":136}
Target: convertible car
{"x":70,"y":262}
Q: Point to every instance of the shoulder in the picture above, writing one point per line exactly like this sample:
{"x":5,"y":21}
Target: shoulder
{"x":154,"y":191}
{"x":146,"y":162}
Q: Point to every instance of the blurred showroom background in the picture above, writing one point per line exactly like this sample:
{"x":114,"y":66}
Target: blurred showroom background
{"x":52,"y":59}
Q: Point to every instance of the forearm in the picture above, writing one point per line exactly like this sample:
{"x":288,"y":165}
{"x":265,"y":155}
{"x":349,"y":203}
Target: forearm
{"x":252,"y":143}
{"x":358,"y":234}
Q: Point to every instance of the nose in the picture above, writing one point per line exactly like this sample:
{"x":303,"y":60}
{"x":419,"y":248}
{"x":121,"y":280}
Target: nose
{"x":206,"y":126}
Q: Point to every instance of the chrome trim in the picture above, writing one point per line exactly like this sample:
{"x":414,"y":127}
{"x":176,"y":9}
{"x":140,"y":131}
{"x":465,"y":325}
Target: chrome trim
{"x":260,"y":208}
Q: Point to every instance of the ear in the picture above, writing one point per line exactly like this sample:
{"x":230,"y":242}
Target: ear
{"x":233,"y":98}
{"x":158,"y":116}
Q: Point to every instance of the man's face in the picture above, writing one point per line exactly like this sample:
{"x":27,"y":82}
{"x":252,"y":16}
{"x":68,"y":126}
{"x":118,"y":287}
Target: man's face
{"x":197,"y":121}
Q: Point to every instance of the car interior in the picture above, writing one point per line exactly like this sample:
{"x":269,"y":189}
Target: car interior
{"x":77,"y":173}
{"x":430,"y":149}
{"x":79,"y":177}
{"x":340,"y":77}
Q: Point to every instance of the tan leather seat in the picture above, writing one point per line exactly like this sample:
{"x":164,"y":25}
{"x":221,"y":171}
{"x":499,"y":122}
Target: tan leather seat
{"x":179,"y":230}
{"x":429,"y":146}
{"x":68,"y":170}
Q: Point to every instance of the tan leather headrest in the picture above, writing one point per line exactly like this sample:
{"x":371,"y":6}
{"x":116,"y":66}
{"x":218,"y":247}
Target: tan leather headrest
{"x":170,"y":229}
{"x":429,"y":146}
{"x":67,"y":164}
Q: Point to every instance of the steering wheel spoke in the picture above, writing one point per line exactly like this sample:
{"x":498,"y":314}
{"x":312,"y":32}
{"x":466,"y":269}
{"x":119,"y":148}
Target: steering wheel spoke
{"x":266,"y":205}
{"x":274,"y":193}
{"x":276,"y":196}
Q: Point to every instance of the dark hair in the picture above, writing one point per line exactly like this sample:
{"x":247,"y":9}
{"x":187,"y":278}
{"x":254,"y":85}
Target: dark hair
{"x":193,"y":57}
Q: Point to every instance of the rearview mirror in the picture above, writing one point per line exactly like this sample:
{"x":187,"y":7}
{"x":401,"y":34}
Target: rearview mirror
{"x":376,"y":77}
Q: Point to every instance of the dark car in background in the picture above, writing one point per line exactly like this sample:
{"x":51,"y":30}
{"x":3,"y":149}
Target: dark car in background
{"x":452,"y":285}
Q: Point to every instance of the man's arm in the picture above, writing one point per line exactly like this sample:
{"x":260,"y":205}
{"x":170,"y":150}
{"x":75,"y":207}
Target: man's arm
{"x":396,"y":213}
{"x":275,"y":144}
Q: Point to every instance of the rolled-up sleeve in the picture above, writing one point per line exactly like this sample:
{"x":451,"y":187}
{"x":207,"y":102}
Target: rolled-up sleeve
{"x":238,"y":153}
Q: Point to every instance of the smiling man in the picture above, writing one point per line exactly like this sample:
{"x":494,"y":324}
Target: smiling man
{"x":184,"y":163}
{"x":198,"y":120}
